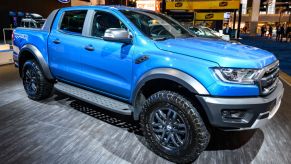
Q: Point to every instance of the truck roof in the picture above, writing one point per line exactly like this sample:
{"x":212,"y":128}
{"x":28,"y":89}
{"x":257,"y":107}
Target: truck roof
{"x":113,"y":7}
{"x":50,"y":19}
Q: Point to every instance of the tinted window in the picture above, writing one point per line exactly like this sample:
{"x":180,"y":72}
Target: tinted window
{"x":103,"y":21}
{"x":73,"y":21}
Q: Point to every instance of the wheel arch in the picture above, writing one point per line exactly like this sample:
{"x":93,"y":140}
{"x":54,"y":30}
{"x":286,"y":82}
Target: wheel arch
{"x":167,"y":77}
{"x":29,"y":51}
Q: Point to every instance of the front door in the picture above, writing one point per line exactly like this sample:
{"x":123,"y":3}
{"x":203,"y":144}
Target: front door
{"x":107,"y":66}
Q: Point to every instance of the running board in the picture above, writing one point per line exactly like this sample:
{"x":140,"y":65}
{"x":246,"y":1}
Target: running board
{"x":94,"y":98}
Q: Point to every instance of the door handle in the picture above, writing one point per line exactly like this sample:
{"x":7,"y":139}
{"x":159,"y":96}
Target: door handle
{"x":89,"y":48}
{"x":57,"y":41}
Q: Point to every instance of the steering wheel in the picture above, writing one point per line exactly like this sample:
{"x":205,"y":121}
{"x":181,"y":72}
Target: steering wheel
{"x":158,"y":30}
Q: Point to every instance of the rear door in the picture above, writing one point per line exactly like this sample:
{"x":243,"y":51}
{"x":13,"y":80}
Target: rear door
{"x":65,"y":44}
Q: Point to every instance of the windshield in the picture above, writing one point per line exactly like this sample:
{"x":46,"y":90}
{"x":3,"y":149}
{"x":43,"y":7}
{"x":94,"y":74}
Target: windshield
{"x":156,"y":26}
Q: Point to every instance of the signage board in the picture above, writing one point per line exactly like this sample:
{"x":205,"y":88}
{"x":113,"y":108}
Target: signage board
{"x":148,"y":4}
{"x":209,"y":16}
{"x":203,"y":5}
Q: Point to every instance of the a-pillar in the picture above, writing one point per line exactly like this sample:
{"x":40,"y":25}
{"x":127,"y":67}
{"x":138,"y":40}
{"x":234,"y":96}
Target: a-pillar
{"x":255,"y":17}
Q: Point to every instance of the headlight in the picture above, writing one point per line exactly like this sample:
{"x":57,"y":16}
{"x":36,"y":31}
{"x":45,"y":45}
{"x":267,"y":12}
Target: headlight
{"x":236,"y":75}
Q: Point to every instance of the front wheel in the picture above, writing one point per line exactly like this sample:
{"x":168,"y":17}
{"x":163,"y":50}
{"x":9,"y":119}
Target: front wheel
{"x":37,"y":87}
{"x":173,"y":128}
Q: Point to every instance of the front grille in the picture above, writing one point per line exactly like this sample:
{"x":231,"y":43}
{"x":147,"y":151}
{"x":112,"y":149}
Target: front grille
{"x":269,"y":78}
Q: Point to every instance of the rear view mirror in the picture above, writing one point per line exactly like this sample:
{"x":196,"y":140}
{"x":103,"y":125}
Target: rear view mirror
{"x":117,"y":35}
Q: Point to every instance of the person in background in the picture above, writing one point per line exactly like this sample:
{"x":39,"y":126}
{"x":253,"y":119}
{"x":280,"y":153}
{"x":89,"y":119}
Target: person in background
{"x":282,"y":32}
{"x":244,"y":29}
{"x":288,"y":33}
{"x":278,"y":32}
{"x":262,"y":30}
{"x":227,"y":30}
{"x":270,"y":31}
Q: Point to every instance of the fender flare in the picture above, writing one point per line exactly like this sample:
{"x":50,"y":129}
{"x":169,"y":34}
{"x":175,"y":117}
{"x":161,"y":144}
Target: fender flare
{"x":178,"y":76}
{"x":40,"y":59}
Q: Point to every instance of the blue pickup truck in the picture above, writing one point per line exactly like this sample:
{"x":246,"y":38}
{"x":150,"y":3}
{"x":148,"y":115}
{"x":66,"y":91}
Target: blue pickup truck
{"x":145,"y":64}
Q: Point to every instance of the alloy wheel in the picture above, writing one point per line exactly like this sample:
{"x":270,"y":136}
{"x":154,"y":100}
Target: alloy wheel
{"x":169,"y":128}
{"x":30,"y":81}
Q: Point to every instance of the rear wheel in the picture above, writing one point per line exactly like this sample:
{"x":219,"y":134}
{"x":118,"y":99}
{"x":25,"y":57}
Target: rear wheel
{"x":35,"y":84}
{"x":173,"y":127}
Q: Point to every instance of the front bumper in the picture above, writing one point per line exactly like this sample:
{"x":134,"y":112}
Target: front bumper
{"x":242,"y":113}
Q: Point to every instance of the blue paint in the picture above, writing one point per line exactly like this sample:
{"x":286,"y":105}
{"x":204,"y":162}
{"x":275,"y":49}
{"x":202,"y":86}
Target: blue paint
{"x":111,"y":69}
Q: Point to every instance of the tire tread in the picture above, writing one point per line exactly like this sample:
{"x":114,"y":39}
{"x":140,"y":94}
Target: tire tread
{"x":202,"y":136}
{"x":45,"y":86}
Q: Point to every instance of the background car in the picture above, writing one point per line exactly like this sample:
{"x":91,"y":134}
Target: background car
{"x":31,"y":23}
{"x":32,"y":20}
{"x":203,"y":31}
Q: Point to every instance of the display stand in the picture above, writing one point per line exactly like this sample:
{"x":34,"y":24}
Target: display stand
{"x":6,"y":54}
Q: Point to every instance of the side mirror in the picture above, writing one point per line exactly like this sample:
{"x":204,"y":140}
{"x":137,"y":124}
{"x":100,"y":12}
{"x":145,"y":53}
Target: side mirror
{"x":117,"y":35}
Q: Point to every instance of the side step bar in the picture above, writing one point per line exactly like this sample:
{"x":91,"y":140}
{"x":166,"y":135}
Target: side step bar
{"x":94,"y":98}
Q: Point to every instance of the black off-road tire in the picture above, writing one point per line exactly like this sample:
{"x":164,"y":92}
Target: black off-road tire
{"x":31,"y":73}
{"x":198,"y":135}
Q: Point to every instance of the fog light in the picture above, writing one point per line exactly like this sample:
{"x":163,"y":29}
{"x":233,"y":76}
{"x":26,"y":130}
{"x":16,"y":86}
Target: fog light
{"x":233,"y":114}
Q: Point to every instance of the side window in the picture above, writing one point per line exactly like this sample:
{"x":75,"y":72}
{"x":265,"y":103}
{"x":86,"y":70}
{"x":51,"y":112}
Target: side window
{"x":103,"y":21}
{"x":73,"y":21}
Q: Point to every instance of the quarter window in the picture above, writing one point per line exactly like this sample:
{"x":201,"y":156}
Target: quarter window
{"x":73,"y":21}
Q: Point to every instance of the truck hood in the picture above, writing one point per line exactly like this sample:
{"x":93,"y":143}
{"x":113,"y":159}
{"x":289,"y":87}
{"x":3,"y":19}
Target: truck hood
{"x":224,"y":53}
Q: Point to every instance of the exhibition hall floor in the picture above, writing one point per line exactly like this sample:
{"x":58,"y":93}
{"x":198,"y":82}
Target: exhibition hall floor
{"x":281,"y":50}
{"x":65,"y":130}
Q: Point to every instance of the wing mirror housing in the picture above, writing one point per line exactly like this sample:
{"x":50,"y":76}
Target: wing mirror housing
{"x":117,"y":35}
